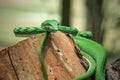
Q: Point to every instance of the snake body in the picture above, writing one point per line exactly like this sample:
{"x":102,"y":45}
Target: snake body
{"x":27,"y":31}
{"x":96,"y":51}
{"x":41,"y":55}
{"x":91,"y":69}
{"x":90,"y":49}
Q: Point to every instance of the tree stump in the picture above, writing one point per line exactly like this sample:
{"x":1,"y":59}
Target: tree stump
{"x":21,"y":61}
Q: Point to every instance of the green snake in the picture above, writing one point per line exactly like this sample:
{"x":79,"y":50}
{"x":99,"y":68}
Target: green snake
{"x":93,"y":52}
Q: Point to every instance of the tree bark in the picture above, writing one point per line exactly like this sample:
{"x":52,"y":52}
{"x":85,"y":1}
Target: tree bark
{"x":21,"y":61}
{"x":66,"y":12}
{"x":94,"y":18}
{"x":113,"y":70}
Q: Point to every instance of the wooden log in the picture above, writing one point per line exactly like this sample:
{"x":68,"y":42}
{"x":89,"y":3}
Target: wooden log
{"x":21,"y":61}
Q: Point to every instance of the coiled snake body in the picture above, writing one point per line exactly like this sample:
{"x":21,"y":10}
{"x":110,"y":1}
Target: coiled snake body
{"x":93,"y":52}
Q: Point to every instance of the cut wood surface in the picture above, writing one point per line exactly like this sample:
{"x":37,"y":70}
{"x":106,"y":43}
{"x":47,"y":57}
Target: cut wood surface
{"x":21,"y":61}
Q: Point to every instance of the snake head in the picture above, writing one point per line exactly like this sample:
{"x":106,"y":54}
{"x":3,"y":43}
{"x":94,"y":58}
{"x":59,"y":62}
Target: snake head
{"x":50,"y":25}
{"x":86,"y":34}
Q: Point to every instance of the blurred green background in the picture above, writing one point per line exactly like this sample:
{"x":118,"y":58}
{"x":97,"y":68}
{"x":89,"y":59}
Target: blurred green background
{"x":102,"y":17}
